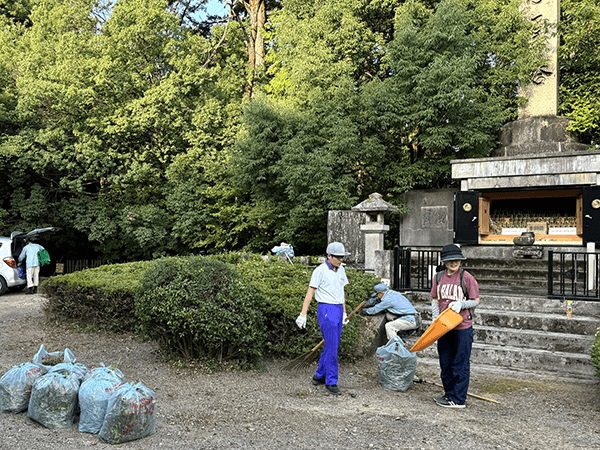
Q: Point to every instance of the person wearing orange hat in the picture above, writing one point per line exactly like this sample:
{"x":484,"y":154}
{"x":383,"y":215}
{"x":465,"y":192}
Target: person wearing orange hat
{"x":454,"y":348}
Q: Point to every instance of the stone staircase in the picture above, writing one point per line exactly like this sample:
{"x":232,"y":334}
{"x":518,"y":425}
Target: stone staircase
{"x":526,"y":334}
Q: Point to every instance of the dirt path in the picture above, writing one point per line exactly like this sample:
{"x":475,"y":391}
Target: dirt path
{"x":274,"y":409}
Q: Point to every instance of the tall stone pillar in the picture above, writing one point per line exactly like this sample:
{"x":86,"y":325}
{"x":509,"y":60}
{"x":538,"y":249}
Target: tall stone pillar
{"x":543,"y":90}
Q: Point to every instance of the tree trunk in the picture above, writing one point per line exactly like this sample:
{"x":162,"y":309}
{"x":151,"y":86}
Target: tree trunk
{"x":256,"y":49}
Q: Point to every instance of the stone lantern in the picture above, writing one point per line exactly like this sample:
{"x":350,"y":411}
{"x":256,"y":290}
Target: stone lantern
{"x":374,"y":228}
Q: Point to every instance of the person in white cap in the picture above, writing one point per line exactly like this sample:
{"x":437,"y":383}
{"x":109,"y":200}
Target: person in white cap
{"x":399,"y":312}
{"x":327,"y":285}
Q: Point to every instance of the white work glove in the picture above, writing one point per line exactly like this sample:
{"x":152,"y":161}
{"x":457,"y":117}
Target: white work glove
{"x":301,"y":321}
{"x":345,"y":319}
{"x":435,"y":309}
{"x":455,"y":306}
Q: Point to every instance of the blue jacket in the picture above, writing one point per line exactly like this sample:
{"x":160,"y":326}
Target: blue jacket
{"x":30,"y":251}
{"x":393,"y":302}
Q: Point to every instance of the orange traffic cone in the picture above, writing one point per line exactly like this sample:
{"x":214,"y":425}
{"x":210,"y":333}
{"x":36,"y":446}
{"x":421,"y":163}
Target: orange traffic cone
{"x":445,"y":322}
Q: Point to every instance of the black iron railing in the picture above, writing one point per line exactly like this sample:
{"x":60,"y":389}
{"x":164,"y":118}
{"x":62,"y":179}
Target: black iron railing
{"x":573,"y":276}
{"x":415,"y":269}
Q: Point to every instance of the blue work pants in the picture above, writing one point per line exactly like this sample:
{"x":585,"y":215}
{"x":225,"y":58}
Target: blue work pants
{"x":454,"y":350}
{"x":330,"y":320}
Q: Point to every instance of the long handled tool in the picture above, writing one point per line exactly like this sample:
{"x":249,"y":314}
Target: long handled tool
{"x":308,"y":357}
{"x":421,"y":380}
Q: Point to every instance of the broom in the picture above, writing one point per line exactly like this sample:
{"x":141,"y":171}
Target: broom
{"x":308,"y":357}
{"x":421,"y":380}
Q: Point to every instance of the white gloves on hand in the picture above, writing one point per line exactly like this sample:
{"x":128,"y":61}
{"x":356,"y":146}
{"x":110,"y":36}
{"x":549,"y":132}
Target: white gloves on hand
{"x":345,"y":319}
{"x":435,"y":309}
{"x":301,"y":321}
{"x":455,"y":306}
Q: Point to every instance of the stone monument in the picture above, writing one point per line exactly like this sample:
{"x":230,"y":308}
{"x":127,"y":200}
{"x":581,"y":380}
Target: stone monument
{"x":539,"y":130}
{"x":374,"y":228}
{"x":537,"y":150}
{"x":543,"y":91}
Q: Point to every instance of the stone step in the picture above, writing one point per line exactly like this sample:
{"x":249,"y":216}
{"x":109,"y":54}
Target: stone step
{"x":554,"y":362}
{"x":529,"y":339}
{"x":510,"y":371}
{"x":534,"y":339}
{"x":511,"y":302}
{"x":557,"y":323}
{"x":521,"y":320}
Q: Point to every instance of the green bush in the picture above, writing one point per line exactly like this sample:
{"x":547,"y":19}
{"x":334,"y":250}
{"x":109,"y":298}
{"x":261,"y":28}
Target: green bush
{"x":201,"y":307}
{"x":103,"y":297}
{"x":596,"y":353}
{"x":282,"y":287}
{"x":233,"y":305}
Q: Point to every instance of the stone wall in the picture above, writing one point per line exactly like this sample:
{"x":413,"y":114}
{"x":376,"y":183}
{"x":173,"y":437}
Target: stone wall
{"x":430,"y":221}
{"x":344,"y":226}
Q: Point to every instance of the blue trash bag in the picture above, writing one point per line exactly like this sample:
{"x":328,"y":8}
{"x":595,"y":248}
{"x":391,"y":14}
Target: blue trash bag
{"x":41,"y":357}
{"x":129,"y":414}
{"x":15,"y":387}
{"x":54,"y":400}
{"x":284,"y":250}
{"x":94,"y":394}
{"x":396,"y":365}
{"x":77,"y":369}
{"x":105,"y":372}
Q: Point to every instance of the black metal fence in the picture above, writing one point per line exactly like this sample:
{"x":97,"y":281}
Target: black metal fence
{"x":415,"y":269}
{"x":573,"y":276}
{"x":74,"y":265}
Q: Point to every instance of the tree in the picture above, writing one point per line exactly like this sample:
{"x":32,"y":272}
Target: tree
{"x":301,"y":151}
{"x":95,"y":112}
{"x":349,"y":112}
{"x":456,"y":68}
{"x":579,"y":61}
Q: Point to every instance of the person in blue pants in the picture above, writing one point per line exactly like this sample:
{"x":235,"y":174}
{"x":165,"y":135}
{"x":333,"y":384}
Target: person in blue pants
{"x":327,"y":286}
{"x":454,"y":348}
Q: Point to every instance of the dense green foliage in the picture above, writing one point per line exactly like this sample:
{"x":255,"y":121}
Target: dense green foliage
{"x":580,"y":67}
{"x":103,"y":297}
{"x":232,"y":305}
{"x":199,"y":307}
{"x":130,"y":126}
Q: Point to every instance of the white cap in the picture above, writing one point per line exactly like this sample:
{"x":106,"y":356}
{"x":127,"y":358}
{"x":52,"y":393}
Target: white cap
{"x":336,"y":249}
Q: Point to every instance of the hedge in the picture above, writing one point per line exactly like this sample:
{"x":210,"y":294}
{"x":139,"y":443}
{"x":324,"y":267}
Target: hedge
{"x":103,"y":297}
{"x":199,"y":307}
{"x":119,"y":297}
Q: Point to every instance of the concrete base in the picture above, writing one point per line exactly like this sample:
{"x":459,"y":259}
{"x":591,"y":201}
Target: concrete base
{"x":531,"y":251}
{"x":540,"y":135}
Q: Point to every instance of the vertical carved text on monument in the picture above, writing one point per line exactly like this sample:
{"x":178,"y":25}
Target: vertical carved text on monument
{"x":543,"y":90}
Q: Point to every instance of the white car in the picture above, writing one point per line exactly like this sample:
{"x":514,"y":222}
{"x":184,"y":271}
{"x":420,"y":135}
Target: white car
{"x":10,"y":249}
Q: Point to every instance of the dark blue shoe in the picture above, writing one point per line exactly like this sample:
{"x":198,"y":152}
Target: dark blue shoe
{"x":333,"y":389}
{"x":318,"y":381}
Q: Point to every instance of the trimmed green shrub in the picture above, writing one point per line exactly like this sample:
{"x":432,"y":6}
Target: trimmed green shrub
{"x":103,"y":297}
{"x":282,"y":288}
{"x":200,"y":307}
{"x":230,"y":306}
{"x":596,"y":353}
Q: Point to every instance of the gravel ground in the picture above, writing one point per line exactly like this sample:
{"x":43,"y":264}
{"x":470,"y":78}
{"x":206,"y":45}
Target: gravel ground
{"x":274,"y":408}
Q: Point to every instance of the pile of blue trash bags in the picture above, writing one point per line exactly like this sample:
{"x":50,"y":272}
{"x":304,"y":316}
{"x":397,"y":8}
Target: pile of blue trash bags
{"x":57,"y":395}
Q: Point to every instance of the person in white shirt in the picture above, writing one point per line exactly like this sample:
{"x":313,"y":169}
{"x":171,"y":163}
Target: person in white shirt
{"x":327,"y":286}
